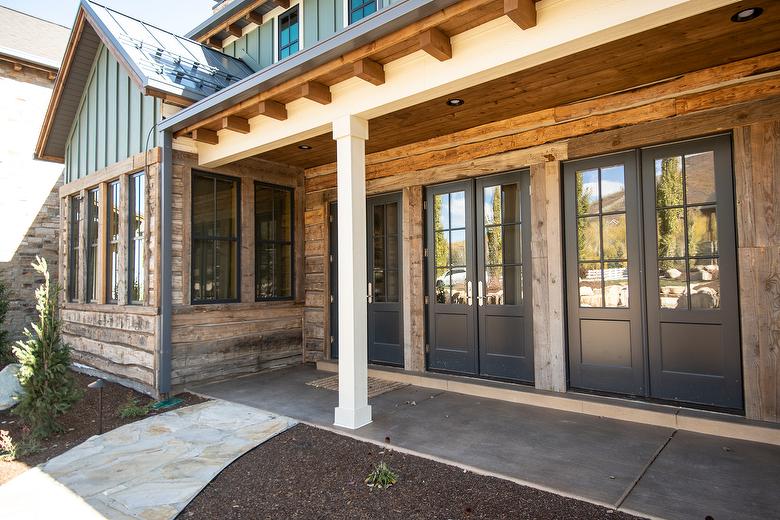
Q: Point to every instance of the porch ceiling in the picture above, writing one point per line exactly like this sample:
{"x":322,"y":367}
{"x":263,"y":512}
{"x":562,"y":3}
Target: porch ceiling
{"x":699,"y":42}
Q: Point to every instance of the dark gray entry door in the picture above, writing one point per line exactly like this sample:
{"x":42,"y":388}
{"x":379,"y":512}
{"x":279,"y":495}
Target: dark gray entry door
{"x":478,"y":277}
{"x":651,"y":270}
{"x":384,"y":317}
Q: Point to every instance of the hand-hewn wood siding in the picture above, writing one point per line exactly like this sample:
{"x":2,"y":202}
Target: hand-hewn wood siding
{"x":113,"y":121}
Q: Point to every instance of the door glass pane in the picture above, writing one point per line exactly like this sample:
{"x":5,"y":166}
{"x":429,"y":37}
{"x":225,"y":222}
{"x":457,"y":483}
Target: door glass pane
{"x":671,"y":233}
{"x":442,"y":246}
{"x":614,"y":227}
{"x":590,"y":285}
{"x":379,"y":285}
{"x":613,"y":189}
{"x":702,"y":231}
{"x":443,"y":284}
{"x":513,"y":285}
{"x":587,"y":192}
{"x":493,"y":246}
{"x":616,"y":284}
{"x":458,"y":247}
{"x":458,"y":209}
{"x":700,"y":178}
{"x":492,"y":205}
{"x":513,"y":244}
{"x":379,"y":220}
{"x":588,"y":238}
{"x":441,"y":211}
{"x":392,"y":252}
{"x":673,"y":291}
{"x":668,"y":182}
{"x":379,"y":252}
{"x":511,"y":203}
{"x":391,"y":285}
{"x":392,"y":218}
{"x":704,"y":280}
{"x":494,"y":286}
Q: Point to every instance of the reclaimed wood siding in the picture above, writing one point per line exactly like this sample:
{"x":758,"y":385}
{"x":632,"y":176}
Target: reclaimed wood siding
{"x":757,"y":175}
{"x":113,"y":120}
{"x":216,"y":341}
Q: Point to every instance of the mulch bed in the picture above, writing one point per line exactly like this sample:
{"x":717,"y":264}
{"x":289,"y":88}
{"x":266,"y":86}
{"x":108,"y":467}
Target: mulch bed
{"x":80,"y":423}
{"x":311,"y":473}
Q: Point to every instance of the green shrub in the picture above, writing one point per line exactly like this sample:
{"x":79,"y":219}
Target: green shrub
{"x":382,"y":477}
{"x":132,"y":409}
{"x":49,"y":387}
{"x":6,"y":356}
{"x":11,"y":450}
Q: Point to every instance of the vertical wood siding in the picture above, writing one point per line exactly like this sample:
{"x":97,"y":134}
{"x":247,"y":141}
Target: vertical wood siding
{"x":113,"y":120}
{"x":257,"y":44}
{"x":322,"y":18}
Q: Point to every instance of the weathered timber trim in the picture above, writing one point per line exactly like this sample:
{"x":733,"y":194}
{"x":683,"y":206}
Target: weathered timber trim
{"x":413,"y":279}
{"x":132,"y":164}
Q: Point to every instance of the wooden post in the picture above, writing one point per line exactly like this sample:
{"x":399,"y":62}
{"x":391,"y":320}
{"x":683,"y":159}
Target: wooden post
{"x":413,"y":280}
{"x":350,"y":133}
{"x":547,"y":273}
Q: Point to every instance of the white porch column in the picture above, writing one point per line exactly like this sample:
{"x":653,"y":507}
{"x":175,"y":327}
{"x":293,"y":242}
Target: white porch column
{"x":350,"y":133}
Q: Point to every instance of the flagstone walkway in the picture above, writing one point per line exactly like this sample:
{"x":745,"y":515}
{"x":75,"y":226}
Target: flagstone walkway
{"x":149,"y":469}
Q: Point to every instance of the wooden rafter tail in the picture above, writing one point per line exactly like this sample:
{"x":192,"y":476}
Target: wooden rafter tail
{"x":316,"y":91}
{"x":254,"y":17}
{"x":204,"y":135}
{"x":214,"y":41}
{"x":522,"y":12}
{"x":369,"y":70}
{"x":234,"y":29}
{"x":272,"y":109}
{"x":236,"y":124}
{"x":436,"y":43}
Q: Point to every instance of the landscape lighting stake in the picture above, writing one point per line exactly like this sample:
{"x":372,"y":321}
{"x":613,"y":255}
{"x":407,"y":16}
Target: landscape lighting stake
{"x":99,"y":384}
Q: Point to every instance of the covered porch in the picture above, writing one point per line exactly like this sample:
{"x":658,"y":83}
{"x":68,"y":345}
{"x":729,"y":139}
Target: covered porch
{"x":647,"y":470}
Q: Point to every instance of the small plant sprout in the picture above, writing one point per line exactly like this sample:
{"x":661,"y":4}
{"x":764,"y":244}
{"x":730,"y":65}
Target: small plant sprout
{"x":382,"y":477}
{"x":132,"y":409}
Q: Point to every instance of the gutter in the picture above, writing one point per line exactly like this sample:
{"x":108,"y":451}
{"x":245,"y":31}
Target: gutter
{"x":366,"y":31}
{"x":216,"y":18}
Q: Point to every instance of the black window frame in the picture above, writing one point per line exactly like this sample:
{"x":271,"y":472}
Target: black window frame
{"x":236,"y":239}
{"x":283,"y":23}
{"x":361,"y":9}
{"x":113,"y":203}
{"x":132,"y":238}
{"x":74,"y":247}
{"x":92,"y":245}
{"x":291,"y":192}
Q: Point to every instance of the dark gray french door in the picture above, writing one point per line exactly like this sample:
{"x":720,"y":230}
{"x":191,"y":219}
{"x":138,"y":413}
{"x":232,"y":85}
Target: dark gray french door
{"x":383,"y":258}
{"x":478,"y":247}
{"x":651,"y":274}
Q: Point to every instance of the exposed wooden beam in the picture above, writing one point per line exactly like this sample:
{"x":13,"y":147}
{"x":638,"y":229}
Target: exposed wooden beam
{"x":273,"y":109}
{"x":436,"y":43}
{"x":370,"y":71}
{"x":204,"y":135}
{"x":316,"y":92}
{"x":236,"y":124}
{"x":214,"y":41}
{"x":234,"y":29}
{"x":522,"y":12}
{"x":17,"y":67}
{"x":254,"y":17}
{"x":282,"y":3}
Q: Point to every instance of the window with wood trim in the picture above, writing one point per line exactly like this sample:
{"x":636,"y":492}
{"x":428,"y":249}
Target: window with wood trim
{"x":112,"y":243}
{"x":273,"y":242}
{"x":289,"y":33}
{"x":359,"y":9}
{"x":215,"y":238}
{"x":74,"y":247}
{"x":136,"y":219}
{"x":93,"y":221}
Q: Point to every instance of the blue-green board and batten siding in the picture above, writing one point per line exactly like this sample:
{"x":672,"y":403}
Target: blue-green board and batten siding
{"x":113,"y":120}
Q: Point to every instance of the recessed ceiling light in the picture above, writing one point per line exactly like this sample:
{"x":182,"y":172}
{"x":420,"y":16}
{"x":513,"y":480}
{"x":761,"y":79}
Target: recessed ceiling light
{"x":304,"y":147}
{"x":455,"y":102}
{"x":748,"y":14}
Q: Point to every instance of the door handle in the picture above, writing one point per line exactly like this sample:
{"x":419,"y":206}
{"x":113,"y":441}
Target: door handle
{"x":480,"y":296}
{"x":370,"y":296}
{"x":469,"y":299}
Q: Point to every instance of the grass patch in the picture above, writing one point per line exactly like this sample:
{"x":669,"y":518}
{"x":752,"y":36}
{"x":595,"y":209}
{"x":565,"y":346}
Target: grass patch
{"x":133,"y":409}
{"x":382,"y":477}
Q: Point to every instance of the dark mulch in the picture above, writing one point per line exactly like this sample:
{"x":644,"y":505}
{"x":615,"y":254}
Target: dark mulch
{"x":311,"y":473}
{"x":80,"y":423}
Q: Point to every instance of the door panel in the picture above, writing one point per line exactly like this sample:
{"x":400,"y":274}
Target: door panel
{"x":603,"y":270}
{"x":451,"y":277}
{"x":385,"y":327}
{"x":503,"y":281}
{"x":694,"y":344}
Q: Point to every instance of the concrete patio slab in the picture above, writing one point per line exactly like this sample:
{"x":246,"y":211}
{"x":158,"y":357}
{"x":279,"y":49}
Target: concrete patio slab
{"x":582,"y":456}
{"x":149,"y":469}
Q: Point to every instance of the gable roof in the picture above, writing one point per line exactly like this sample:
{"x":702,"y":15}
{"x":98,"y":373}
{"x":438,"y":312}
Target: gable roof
{"x":30,"y":39}
{"x":160,"y":63}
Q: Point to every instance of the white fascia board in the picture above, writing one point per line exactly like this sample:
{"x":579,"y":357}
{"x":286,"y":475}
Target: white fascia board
{"x":487,"y":52}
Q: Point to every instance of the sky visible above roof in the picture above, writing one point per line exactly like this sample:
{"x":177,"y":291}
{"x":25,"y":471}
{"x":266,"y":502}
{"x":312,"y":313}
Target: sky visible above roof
{"x":177,"y":16}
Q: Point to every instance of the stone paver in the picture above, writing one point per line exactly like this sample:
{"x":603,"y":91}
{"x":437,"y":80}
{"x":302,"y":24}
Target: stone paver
{"x":149,"y":469}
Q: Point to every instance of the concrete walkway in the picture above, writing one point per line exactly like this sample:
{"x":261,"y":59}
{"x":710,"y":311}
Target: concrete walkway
{"x":645,"y":470}
{"x":149,"y":469}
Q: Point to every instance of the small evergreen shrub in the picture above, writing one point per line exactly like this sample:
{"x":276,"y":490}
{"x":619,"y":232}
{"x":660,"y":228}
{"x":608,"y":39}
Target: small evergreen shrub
{"x":10,"y":450}
{"x":132,"y":409}
{"x":6,"y":356}
{"x":49,"y":387}
{"x":382,"y":477}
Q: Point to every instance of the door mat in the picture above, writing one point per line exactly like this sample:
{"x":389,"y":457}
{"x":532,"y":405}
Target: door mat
{"x":375,"y":386}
